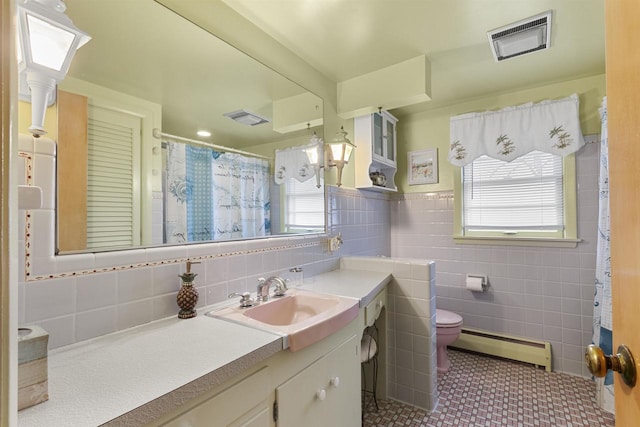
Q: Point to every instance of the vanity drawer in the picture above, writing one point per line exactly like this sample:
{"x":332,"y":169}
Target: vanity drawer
{"x":373,"y":309}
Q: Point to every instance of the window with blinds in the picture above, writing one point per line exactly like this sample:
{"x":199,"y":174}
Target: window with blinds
{"x":521,"y":197}
{"x":112,"y":169}
{"x":304,"y":206}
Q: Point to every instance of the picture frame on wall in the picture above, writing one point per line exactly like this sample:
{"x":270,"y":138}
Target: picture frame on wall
{"x":422,"y":166}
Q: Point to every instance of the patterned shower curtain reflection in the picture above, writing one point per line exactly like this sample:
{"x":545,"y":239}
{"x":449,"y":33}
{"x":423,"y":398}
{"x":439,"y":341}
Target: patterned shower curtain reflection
{"x":240,"y":189}
{"x":211,"y":195}
{"x":602,"y":324}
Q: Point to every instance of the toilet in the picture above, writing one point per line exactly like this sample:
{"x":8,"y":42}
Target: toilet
{"x":448,"y":327}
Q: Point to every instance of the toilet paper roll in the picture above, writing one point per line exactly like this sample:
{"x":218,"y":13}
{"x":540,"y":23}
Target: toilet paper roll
{"x":475,"y":284}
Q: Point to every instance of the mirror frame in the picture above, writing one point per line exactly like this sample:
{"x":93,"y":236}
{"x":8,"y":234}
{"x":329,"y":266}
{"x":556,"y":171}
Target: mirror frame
{"x":40,"y":261}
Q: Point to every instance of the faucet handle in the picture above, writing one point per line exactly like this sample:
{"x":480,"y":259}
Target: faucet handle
{"x":245,"y":299}
{"x":281,"y":287}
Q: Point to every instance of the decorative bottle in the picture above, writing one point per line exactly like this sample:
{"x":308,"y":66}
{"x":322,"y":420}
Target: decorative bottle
{"x":187,"y":295}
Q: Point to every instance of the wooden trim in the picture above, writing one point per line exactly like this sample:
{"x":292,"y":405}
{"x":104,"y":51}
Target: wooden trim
{"x":72,"y":155}
{"x":623,"y":113}
{"x":8,"y":234}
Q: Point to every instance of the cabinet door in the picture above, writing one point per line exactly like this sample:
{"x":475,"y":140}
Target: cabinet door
{"x":261,"y":419}
{"x":246,"y":403}
{"x":300,"y":399}
{"x":378,"y":135}
{"x":314,"y":398}
{"x":390,"y":140}
{"x":343,"y":395}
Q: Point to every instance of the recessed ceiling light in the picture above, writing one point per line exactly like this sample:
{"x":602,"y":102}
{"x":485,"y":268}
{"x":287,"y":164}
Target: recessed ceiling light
{"x":204,"y":133}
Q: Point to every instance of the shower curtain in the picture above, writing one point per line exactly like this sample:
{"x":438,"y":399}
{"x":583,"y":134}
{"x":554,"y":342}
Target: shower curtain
{"x":211,"y":195}
{"x":602,"y":325}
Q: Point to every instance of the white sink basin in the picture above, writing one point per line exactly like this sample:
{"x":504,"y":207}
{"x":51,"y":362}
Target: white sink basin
{"x":302,"y":317}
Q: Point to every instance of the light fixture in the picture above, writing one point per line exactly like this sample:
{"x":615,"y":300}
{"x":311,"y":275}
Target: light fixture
{"x":335,"y":153}
{"x":47,"y":42}
{"x":315,"y":154}
{"x":204,"y":133}
{"x":338,"y":152}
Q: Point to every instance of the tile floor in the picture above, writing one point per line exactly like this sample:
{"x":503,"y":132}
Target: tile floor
{"x":486,"y":391}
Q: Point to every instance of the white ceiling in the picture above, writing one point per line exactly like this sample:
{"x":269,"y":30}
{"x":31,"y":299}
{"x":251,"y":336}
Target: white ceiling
{"x":347,"y":38}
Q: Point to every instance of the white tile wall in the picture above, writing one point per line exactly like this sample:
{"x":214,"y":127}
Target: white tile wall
{"x":411,"y":344}
{"x":541,"y":293}
{"x":78,"y":297}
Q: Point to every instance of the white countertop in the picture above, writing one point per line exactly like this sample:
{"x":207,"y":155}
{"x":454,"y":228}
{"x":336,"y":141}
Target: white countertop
{"x":363,"y":285}
{"x":97,"y":381}
{"x":131,"y":377}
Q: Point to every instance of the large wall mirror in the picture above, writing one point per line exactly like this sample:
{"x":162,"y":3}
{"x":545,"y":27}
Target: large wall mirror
{"x":131,"y":172}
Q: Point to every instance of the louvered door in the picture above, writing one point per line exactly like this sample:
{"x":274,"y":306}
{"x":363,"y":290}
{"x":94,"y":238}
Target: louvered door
{"x":113,"y":195}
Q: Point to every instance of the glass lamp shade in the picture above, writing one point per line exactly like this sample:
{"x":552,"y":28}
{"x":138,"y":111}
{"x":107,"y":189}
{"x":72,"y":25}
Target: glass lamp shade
{"x":338,"y":153}
{"x":48,"y":41}
{"x":315,"y":151}
{"x":315,"y":154}
{"x":340,"y":149}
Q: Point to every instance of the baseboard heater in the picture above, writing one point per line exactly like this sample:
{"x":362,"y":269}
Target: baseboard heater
{"x":537,"y":353}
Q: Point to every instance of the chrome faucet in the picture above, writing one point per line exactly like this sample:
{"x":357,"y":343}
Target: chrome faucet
{"x":280,"y":287}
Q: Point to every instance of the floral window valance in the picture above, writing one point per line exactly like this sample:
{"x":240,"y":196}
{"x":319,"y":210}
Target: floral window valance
{"x":293,"y":162}
{"x":549,"y":126}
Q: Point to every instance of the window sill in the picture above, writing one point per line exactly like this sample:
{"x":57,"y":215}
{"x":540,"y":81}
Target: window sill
{"x":545,"y":242}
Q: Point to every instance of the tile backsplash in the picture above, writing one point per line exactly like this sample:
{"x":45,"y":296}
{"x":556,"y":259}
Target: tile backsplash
{"x":82,"y":296}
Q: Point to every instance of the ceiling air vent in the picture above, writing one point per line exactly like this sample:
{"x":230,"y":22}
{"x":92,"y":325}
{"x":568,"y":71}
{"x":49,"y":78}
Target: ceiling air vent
{"x":246,"y":118}
{"x":522,"y":37}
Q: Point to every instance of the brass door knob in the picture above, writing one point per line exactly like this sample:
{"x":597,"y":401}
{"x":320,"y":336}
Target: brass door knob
{"x":622,"y":362}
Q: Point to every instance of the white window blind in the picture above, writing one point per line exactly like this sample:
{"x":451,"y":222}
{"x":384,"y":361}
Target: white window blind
{"x":304,"y":206}
{"x":523,"y":195}
{"x":112,"y":196}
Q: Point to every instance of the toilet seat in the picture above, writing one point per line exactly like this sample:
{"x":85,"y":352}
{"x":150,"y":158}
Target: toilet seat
{"x":447,"y":319}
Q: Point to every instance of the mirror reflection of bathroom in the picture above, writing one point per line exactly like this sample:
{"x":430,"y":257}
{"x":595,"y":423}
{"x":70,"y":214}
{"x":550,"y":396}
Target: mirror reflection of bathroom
{"x":152,"y":179}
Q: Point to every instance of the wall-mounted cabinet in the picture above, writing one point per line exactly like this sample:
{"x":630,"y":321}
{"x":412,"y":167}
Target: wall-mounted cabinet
{"x":375,"y":139}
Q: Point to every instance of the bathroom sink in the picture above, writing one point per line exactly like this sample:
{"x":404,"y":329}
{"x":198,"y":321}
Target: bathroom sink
{"x":302,"y":317}
{"x":290,"y":310}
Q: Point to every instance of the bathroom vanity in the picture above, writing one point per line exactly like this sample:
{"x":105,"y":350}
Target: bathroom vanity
{"x":208,"y":371}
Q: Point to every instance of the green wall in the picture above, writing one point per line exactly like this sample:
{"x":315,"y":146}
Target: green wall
{"x":430,"y":129}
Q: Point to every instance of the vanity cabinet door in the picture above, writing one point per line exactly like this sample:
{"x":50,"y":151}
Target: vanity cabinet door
{"x":260,"y":419}
{"x":326,"y":393}
{"x":343,"y":394}
{"x":244,"y":404}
